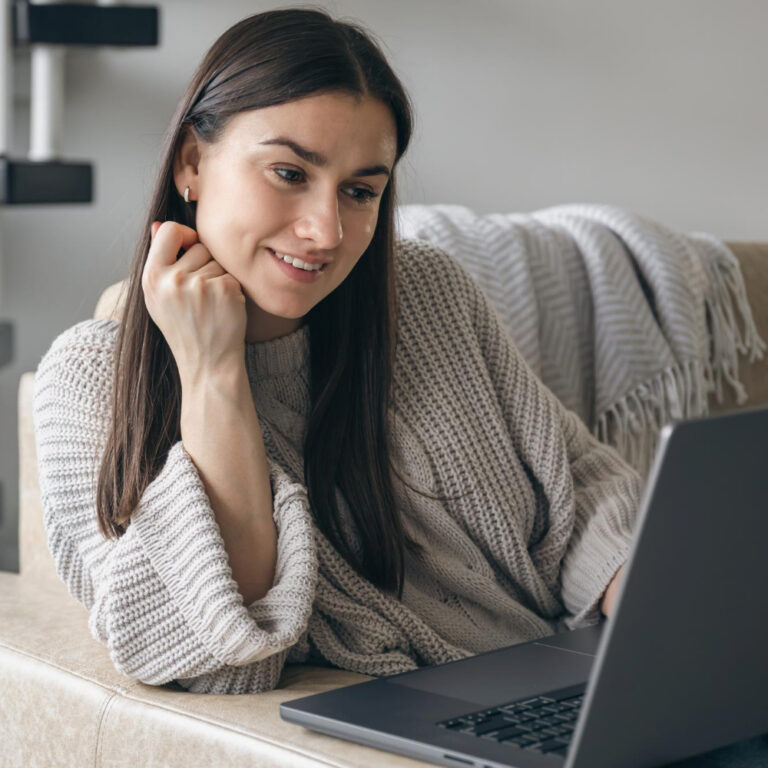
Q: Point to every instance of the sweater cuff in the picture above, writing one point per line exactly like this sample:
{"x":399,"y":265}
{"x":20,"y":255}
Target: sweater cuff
{"x":589,"y":569}
{"x":178,"y":531}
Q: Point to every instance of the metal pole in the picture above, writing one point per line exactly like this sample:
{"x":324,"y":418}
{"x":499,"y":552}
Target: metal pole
{"x":6,"y":101}
{"x":46,"y":100}
{"x":6,"y":79}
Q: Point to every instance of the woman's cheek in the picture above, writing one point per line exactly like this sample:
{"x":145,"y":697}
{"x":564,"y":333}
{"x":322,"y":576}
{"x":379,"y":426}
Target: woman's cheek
{"x":368,"y":228}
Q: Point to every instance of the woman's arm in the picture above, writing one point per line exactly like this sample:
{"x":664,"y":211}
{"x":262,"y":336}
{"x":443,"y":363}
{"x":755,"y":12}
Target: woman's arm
{"x":606,"y":496}
{"x":162,"y":596}
{"x":596,"y":492}
{"x":200,"y":310}
{"x":222,"y":435}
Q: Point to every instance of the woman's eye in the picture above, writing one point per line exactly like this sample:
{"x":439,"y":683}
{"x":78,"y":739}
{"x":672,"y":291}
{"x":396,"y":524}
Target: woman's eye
{"x":291,"y":176}
{"x":359,"y":195}
{"x":362,"y":195}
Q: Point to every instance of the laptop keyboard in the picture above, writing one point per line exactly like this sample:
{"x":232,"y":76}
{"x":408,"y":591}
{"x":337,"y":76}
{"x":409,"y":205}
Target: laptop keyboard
{"x":541,"y":723}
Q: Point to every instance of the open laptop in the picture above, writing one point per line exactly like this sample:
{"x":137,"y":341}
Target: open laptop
{"x":680,"y":668}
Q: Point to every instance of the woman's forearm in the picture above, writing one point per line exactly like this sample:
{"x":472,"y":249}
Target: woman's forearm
{"x":221,"y":432}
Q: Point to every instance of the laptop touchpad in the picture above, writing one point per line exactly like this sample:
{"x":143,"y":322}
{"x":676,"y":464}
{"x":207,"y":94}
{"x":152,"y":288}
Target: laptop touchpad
{"x":504,"y":675}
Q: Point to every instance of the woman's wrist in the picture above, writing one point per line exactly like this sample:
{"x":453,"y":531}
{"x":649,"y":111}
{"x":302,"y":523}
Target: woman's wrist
{"x":609,"y":596}
{"x":229,"y":379}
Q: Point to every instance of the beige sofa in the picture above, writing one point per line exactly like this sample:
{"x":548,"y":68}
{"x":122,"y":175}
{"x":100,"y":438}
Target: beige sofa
{"x":63,"y":704}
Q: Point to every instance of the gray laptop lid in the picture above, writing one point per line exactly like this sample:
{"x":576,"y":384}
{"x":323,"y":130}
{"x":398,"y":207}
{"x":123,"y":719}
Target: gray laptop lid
{"x":659,"y":696}
{"x":680,"y":668}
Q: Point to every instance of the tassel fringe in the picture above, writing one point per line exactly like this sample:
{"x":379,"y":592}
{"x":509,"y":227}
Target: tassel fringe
{"x":633,"y":423}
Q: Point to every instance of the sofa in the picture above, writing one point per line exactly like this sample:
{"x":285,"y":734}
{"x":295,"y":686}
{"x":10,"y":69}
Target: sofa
{"x":62,"y":703}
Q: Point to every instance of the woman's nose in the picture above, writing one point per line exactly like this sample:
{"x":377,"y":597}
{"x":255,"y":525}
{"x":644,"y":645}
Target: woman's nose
{"x":321,"y":222}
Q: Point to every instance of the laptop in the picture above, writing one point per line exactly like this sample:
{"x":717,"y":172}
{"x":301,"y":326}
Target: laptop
{"x":680,"y":668}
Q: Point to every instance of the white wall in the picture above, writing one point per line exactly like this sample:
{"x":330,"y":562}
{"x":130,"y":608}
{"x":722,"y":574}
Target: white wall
{"x":658,"y":106}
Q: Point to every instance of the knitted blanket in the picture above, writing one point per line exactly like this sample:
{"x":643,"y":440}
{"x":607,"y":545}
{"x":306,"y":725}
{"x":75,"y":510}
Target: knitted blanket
{"x":629,"y":323}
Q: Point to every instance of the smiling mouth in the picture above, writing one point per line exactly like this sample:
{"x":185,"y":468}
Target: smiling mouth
{"x":289,"y":262}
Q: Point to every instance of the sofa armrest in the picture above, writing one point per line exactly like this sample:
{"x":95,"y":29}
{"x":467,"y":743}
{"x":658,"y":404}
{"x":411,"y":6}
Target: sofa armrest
{"x":34,"y":557}
{"x":64,"y":704}
{"x":753,"y":259}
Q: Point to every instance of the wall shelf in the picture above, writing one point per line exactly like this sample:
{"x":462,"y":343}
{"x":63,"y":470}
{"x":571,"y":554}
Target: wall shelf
{"x":30,"y":182}
{"x":78,"y":24}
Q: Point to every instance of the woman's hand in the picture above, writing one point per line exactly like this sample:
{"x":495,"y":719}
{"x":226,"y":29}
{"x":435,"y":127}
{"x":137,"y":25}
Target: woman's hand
{"x":609,"y":597}
{"x":196,"y":304}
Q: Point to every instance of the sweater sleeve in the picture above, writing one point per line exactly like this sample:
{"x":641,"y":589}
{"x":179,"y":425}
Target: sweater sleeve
{"x":161,"y":597}
{"x":605,"y":488}
{"x":607,"y":494}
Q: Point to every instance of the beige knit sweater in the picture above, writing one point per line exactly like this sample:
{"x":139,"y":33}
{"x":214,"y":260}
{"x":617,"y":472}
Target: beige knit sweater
{"x":544,"y":521}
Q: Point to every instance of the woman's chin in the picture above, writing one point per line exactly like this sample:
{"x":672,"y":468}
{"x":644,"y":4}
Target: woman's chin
{"x":277,"y":311}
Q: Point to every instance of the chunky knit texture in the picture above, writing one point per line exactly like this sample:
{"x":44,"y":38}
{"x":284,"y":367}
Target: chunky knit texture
{"x":541,"y":518}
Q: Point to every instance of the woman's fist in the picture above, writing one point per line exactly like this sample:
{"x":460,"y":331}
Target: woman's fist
{"x":196,"y":304}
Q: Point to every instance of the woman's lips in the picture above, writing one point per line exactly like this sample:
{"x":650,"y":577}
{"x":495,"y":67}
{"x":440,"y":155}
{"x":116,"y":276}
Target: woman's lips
{"x":296,"y":273}
{"x":306,"y":259}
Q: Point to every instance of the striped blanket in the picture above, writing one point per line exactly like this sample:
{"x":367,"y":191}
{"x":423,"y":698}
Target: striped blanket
{"x":629,"y":323}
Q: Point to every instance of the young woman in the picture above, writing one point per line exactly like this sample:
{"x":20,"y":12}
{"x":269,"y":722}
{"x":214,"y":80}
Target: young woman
{"x":303,"y":440}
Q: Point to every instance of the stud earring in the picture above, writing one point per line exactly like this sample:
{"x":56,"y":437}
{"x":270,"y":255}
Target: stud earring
{"x":186,"y":194}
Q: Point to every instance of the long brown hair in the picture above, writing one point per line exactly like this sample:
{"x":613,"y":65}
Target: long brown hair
{"x":268,"y":59}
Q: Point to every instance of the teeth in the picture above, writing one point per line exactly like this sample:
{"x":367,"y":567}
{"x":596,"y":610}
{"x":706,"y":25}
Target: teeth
{"x":298,"y":262}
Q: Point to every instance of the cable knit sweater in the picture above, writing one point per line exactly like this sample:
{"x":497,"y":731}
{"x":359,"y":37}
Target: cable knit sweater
{"x":542,"y":520}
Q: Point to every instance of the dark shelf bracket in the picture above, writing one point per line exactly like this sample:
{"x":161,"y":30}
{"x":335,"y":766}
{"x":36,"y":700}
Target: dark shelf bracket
{"x":79,"y":24}
{"x":26,"y":182}
{"x":6,"y":343}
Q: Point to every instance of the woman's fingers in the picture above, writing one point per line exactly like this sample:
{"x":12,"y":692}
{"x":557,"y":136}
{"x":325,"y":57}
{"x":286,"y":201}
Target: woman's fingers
{"x":162,"y":268}
{"x":168,"y":238}
{"x":195,"y":257}
{"x":210,"y":269}
{"x":195,"y":303}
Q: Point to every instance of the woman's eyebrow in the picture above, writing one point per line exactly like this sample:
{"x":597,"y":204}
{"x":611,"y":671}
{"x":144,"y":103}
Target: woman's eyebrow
{"x":315,"y":158}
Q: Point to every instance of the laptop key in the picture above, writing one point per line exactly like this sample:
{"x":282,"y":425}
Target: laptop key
{"x":534,"y":746}
{"x":545,"y":721}
{"x":491,"y":725}
{"x":550,"y":745}
{"x":505,"y":734}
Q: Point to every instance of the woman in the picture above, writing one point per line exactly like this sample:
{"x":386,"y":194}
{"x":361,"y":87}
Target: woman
{"x":305,"y":441}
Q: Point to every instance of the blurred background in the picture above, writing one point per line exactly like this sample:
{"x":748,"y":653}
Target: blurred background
{"x":656,"y":106}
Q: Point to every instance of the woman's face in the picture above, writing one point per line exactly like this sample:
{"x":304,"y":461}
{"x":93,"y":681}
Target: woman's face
{"x":303,"y":179}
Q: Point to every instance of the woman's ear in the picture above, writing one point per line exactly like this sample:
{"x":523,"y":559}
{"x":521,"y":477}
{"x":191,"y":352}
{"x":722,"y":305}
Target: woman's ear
{"x":186,"y":161}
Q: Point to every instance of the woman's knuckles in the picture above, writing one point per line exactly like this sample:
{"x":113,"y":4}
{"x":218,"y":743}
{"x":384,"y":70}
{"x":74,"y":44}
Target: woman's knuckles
{"x":198,"y":283}
{"x":176,"y":279}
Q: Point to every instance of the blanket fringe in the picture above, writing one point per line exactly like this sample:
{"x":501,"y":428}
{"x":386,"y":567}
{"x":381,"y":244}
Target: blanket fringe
{"x":633,"y":423}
